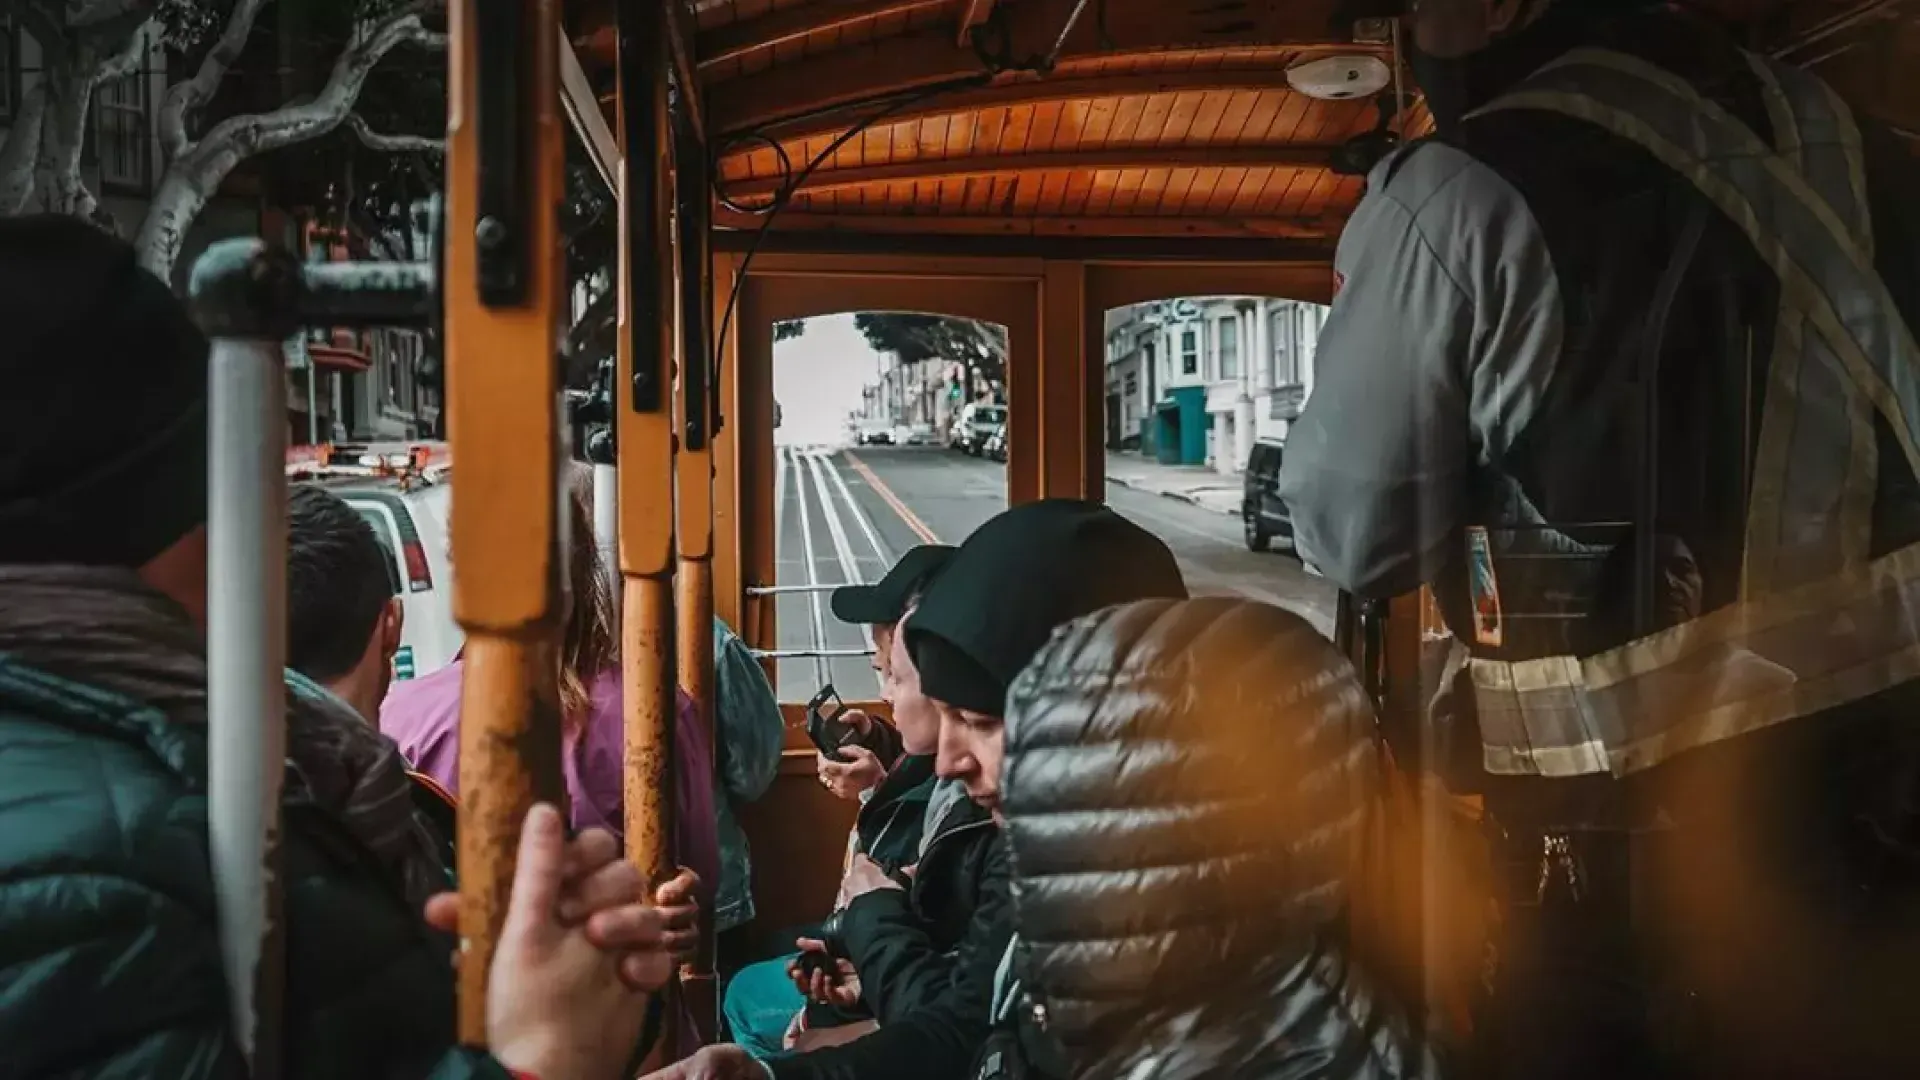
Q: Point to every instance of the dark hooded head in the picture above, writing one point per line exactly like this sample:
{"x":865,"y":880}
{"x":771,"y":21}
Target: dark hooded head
{"x":1464,"y":53}
{"x":1186,"y":795}
{"x":1002,"y":594}
{"x":103,"y":456}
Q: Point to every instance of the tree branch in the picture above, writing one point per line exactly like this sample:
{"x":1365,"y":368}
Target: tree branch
{"x":21,"y":152}
{"x":256,"y":133}
{"x":393,"y":144}
{"x":191,"y":94}
{"x":126,"y":61}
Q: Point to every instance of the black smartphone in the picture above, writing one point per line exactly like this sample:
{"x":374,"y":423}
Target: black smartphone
{"x":824,"y":726}
{"x":810,"y":962}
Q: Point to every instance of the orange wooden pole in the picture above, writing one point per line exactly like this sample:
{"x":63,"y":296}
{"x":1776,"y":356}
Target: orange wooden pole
{"x":503,"y":293}
{"x":645,"y":436}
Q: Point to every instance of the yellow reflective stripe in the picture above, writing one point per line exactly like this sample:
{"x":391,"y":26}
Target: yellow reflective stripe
{"x":1786,"y":126}
{"x":1798,"y":288}
{"x":1771,"y":457}
{"x":1751,"y":665}
{"x":1851,"y":146}
{"x":1731,"y":125}
{"x":1863,"y":479}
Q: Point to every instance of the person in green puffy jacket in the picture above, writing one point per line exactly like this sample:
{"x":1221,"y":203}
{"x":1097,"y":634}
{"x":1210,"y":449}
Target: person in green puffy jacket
{"x":109,"y":929}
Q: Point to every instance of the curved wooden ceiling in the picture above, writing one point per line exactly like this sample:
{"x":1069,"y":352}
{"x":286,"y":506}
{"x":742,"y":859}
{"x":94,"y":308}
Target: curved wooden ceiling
{"x":1161,"y":119}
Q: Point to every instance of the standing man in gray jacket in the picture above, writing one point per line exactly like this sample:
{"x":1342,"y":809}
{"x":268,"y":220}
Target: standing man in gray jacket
{"x":1642,"y":275}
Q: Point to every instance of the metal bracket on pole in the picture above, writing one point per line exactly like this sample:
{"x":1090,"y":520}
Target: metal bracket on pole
{"x":502,"y":225}
{"x":643,"y":213}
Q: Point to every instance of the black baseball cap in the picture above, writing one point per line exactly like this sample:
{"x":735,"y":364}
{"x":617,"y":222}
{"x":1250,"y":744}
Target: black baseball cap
{"x":1022,"y":574}
{"x":885,"y":601}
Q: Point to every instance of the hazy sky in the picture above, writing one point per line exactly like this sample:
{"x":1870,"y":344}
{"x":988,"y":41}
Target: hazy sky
{"x":817,"y":379}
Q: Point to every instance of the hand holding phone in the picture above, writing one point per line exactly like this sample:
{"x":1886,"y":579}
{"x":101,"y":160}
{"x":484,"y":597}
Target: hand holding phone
{"x":826,"y":725}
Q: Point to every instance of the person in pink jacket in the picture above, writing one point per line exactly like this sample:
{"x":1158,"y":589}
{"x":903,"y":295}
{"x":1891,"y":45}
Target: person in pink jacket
{"x":423,"y":716}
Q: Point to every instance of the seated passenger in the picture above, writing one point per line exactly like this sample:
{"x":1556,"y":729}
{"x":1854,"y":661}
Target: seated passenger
{"x":423,"y":715}
{"x":1188,"y":791}
{"x":109,"y":930}
{"x":343,"y":625}
{"x":762,"y":1000}
{"x":993,"y":606}
{"x":749,"y":735}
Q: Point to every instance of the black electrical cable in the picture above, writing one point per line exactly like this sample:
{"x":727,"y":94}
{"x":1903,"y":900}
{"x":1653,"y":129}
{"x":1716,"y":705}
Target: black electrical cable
{"x":786,"y":172}
{"x":994,"y":62}
{"x":793,"y":185}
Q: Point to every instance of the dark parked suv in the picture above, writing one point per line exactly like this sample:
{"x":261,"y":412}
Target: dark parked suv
{"x":1264,"y":515}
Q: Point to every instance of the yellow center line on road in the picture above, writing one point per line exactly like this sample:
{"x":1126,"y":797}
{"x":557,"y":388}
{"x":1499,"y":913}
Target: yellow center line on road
{"x":887,"y":496}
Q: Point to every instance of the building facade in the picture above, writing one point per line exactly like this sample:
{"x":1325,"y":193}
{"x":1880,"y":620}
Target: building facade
{"x":1199,"y":380}
{"x":340,"y":386}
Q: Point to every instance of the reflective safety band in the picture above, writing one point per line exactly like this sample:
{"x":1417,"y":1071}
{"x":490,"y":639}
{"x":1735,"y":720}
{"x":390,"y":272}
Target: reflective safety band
{"x":1816,"y":625}
{"x":1740,"y":669}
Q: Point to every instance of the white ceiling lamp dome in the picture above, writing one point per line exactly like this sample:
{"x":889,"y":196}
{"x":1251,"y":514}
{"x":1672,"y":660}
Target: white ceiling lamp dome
{"x":1340,"y":78}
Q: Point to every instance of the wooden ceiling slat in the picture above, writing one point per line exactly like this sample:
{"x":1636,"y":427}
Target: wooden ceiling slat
{"x":1206,"y":124}
{"x":811,"y":220}
{"x":1126,"y":194}
{"x":1028,"y":188}
{"x":1181,"y":115}
{"x":1046,"y":127}
{"x":1079,"y":189}
{"x":1205,"y":183}
{"x":1173,"y":197}
{"x":1100,"y":199}
{"x":1060,"y":87}
{"x":742,"y":36}
{"x":1018,"y":130}
{"x":1266,"y":106}
{"x":1286,"y":122}
{"x":1142,"y":157}
{"x":1126,"y":120}
{"x":1153,"y":120}
{"x":924,"y":57}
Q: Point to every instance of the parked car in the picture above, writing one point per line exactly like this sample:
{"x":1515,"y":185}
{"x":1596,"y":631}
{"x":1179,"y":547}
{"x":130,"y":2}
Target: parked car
{"x":977,"y":422}
{"x":1265,"y":516}
{"x":996,"y":444}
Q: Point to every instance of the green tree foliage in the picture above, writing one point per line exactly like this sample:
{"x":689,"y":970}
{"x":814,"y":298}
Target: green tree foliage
{"x":913,"y":338}
{"x":788,"y":329}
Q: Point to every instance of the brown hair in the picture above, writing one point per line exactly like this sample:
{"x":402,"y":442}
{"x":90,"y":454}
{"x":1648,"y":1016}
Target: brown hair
{"x":590,"y":644}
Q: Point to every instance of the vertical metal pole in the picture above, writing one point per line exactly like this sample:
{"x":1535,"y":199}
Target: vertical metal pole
{"x":503,"y":289}
{"x":606,"y":519}
{"x":644,"y":413}
{"x":694,"y":474}
{"x":313,"y":402}
{"x":246,"y":691}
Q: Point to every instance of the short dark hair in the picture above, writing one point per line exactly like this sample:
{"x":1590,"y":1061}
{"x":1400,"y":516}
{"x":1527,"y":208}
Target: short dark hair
{"x":339,"y":580}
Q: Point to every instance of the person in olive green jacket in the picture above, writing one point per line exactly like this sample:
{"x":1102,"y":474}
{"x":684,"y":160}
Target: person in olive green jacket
{"x":109,"y":929}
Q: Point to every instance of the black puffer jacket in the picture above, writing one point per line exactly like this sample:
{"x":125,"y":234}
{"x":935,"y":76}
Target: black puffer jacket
{"x":1187,"y":787}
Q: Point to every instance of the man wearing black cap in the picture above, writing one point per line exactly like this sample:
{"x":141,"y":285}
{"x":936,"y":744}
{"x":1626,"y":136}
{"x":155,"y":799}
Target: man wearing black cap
{"x":997,"y":601}
{"x":893,"y":771}
{"x":108,"y":925}
{"x":879,"y":607}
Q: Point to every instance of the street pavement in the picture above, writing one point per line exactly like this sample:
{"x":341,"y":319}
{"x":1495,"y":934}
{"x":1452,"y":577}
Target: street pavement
{"x":845,"y":515}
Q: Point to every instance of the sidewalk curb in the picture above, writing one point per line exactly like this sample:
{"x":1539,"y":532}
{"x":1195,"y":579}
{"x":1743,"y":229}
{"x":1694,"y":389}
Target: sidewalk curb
{"x":1178,"y":496}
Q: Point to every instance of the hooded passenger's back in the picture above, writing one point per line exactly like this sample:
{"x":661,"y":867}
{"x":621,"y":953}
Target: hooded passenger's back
{"x":1187,"y":788}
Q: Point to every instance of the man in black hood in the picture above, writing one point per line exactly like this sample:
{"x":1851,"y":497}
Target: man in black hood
{"x":1644,"y":275}
{"x":1000,"y":597}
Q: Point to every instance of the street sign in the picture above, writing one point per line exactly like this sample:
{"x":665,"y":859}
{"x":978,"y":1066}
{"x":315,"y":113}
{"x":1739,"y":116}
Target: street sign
{"x":953,"y":392}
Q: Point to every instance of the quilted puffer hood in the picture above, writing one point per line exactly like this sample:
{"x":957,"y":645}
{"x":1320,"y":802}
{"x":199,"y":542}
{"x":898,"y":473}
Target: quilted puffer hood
{"x":1187,"y":791}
